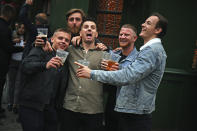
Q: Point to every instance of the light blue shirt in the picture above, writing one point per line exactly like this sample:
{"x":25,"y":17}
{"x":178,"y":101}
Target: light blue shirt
{"x":144,"y":74}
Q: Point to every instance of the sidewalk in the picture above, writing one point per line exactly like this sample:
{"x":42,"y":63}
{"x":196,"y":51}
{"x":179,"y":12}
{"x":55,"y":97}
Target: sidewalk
{"x":9,"y":123}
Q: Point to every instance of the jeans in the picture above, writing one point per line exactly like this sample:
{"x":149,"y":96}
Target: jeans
{"x":135,"y":122}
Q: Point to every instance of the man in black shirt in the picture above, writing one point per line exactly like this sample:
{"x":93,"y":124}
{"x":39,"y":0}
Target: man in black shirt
{"x":44,"y":86}
{"x":6,"y":45}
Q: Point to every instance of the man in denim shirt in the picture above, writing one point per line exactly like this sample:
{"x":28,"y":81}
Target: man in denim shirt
{"x":138,"y":102}
{"x":127,"y":38}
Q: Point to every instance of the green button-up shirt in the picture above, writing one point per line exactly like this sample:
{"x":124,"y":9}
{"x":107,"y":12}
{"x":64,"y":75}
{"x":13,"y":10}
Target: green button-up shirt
{"x":83,"y":95}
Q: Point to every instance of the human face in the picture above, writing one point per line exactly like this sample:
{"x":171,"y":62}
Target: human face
{"x":21,"y":29}
{"x":127,"y":37}
{"x":88,"y":32}
{"x":61,"y":40}
{"x":149,"y":31}
{"x":74,"y":22}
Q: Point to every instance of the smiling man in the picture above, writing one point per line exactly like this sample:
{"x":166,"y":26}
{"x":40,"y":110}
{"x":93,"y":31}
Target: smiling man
{"x":45,"y":80}
{"x":127,"y":38}
{"x":145,"y":73}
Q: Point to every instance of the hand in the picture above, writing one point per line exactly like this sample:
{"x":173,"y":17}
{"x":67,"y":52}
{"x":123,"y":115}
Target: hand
{"x":76,"y":40}
{"x":104,"y":64}
{"x":115,"y":67}
{"x":101,"y":46}
{"x":16,"y":40}
{"x":45,"y":46}
{"x":39,"y":41}
{"x":117,"y":49}
{"x":55,"y":62}
{"x":29,"y":2}
{"x":83,"y":71}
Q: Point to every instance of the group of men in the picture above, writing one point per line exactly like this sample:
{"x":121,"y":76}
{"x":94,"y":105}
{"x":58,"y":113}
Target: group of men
{"x":52,"y":87}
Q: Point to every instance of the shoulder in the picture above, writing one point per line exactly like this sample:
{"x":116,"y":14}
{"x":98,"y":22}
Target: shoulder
{"x":37,"y":51}
{"x":158,"y":49}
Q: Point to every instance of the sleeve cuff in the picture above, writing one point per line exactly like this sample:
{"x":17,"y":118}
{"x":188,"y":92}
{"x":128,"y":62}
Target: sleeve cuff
{"x":92,"y":75}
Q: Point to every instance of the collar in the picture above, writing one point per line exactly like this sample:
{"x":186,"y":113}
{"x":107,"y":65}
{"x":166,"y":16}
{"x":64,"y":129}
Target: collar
{"x":150,"y":42}
{"x":131,"y":54}
{"x":82,"y":48}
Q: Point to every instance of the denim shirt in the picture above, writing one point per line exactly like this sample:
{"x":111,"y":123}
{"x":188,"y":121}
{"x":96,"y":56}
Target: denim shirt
{"x":142,"y":76}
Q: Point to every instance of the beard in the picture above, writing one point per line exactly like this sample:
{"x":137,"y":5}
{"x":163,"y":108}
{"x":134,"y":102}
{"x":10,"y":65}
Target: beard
{"x":75,"y":30}
{"x":125,"y":45}
{"x":88,"y":42}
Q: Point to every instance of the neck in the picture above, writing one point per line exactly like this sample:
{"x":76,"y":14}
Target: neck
{"x":148,"y":39}
{"x":88,"y":46}
{"x":126,"y":51}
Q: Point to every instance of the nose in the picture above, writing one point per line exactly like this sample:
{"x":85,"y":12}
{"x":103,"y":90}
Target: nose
{"x":122,"y":36}
{"x":143,"y":24}
{"x":74,"y":21}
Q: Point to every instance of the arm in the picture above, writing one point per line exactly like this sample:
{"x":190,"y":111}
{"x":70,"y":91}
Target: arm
{"x":33,"y":62}
{"x":143,"y":65}
{"x":30,"y":28}
{"x":36,"y":61}
{"x":140,"y":68}
{"x":23,"y":15}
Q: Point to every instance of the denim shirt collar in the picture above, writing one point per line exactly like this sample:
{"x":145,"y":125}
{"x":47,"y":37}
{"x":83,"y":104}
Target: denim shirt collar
{"x":150,"y":42}
{"x":131,"y":56}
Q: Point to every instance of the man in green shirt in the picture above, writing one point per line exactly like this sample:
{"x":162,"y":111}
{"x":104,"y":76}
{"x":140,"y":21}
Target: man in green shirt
{"x":83,"y":105}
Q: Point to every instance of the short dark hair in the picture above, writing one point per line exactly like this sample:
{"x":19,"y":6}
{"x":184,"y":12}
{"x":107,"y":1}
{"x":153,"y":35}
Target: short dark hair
{"x":42,"y":18}
{"x":162,"y":23}
{"x":65,"y":30}
{"x":88,"y":19}
{"x":130,"y":27}
{"x":75,"y":10}
{"x":8,"y":11}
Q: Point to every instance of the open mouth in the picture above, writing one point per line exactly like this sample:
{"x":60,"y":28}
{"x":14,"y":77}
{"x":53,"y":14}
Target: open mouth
{"x":89,"y":35}
{"x":143,"y":29}
{"x":123,"y":40}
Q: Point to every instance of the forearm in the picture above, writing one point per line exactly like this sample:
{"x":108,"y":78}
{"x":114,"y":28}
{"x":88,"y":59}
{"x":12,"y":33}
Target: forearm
{"x":134,"y":72}
{"x":33,"y":62}
{"x":117,"y":78}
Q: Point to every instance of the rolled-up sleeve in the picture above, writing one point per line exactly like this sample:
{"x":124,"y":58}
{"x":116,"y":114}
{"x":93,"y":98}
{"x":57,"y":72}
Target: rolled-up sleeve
{"x":143,"y":65}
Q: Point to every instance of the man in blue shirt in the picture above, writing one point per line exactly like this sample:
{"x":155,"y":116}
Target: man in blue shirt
{"x":138,"y":102}
{"x":127,"y":38}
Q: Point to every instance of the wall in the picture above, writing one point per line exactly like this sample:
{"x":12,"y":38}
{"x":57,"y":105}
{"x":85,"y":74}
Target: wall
{"x":59,"y":9}
{"x":180,"y":39}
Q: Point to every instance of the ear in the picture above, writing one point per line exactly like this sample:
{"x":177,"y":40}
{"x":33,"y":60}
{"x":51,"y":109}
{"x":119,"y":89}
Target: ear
{"x":96,"y":34}
{"x":158,"y":30}
{"x":80,"y":34}
{"x":135,"y":38}
{"x":52,"y":39}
